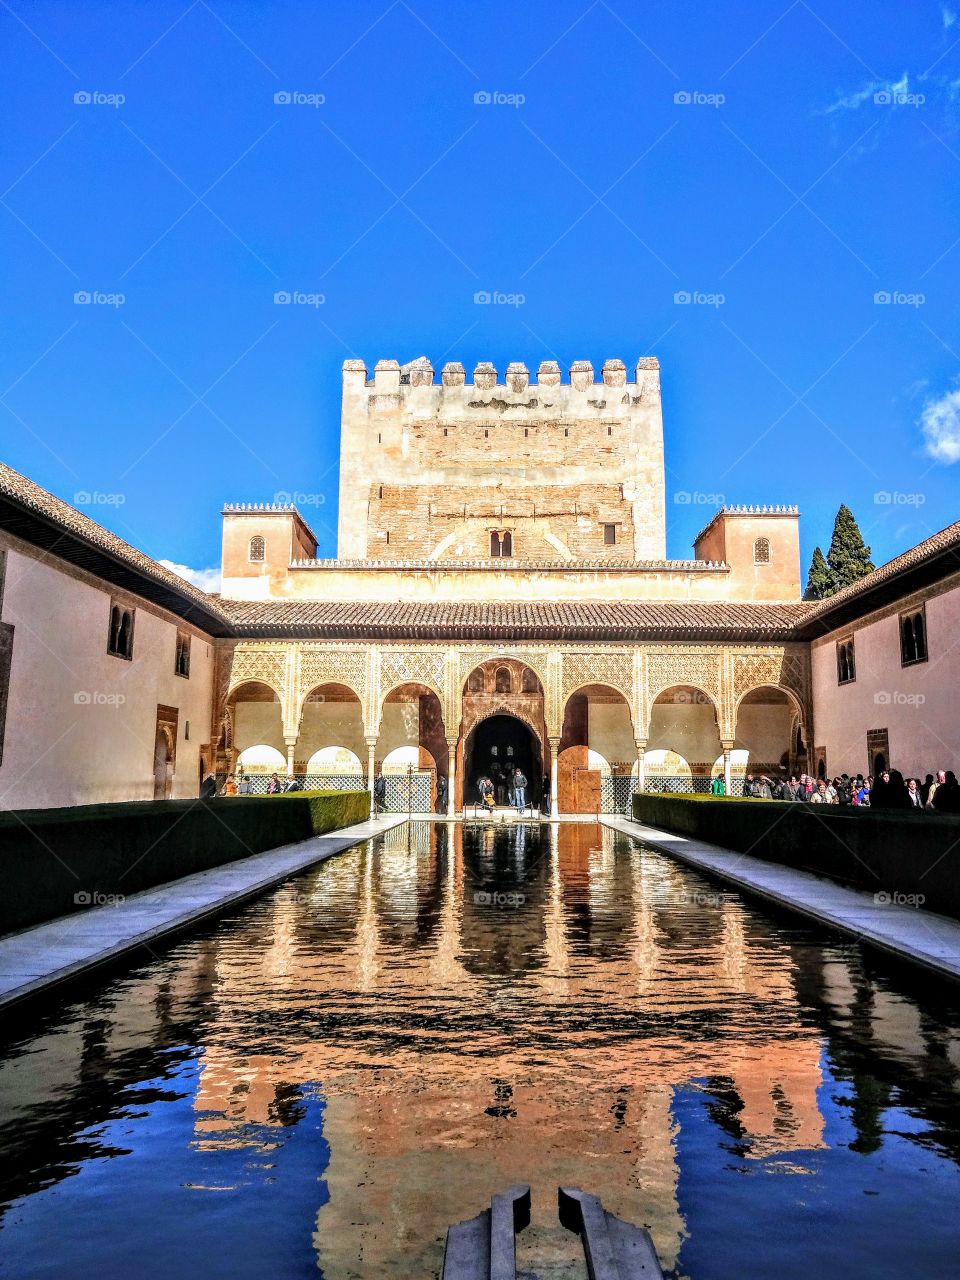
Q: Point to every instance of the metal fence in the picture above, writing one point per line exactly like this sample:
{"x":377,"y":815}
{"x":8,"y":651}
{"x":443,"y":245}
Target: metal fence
{"x":257,"y":784}
{"x":410,"y":792}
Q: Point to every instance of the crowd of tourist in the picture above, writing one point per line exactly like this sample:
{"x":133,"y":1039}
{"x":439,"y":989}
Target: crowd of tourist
{"x":938,"y":793}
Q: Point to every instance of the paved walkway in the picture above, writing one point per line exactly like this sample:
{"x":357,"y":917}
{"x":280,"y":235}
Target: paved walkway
{"x":907,"y":932}
{"x":40,"y":957}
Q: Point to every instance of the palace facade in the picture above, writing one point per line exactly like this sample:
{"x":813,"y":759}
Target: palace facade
{"x":501,"y":598}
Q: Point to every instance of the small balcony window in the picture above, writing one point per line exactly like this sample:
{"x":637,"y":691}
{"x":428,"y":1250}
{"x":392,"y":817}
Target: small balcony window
{"x":120,"y":635}
{"x":846,"y":662}
{"x":501,"y":544}
{"x":913,"y":638}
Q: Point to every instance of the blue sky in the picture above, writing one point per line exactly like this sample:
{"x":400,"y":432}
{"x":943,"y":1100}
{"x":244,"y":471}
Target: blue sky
{"x":783,"y":163}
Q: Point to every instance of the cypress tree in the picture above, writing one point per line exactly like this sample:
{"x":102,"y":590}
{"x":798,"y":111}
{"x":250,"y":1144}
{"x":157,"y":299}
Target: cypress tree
{"x":849,"y":556}
{"x":820,"y":581}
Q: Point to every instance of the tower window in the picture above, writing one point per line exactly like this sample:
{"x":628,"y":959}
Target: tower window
{"x":258,"y":550}
{"x":913,"y":638}
{"x":502,"y":680}
{"x":761,"y":551}
{"x":846,"y":662}
{"x":120,"y":635}
{"x":501,"y":544}
{"x":181,"y":662}
{"x":609,"y":535}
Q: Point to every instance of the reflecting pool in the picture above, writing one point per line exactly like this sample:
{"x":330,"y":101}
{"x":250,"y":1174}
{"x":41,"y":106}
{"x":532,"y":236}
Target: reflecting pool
{"x":320,"y":1083}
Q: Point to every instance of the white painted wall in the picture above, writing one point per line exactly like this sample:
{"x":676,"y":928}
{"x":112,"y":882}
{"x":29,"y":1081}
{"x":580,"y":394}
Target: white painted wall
{"x":610,"y":732}
{"x":81,"y":724}
{"x":917,"y":704}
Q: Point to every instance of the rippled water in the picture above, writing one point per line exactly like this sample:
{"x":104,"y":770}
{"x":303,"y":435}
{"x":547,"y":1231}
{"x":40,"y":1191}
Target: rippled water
{"x":322,"y":1082}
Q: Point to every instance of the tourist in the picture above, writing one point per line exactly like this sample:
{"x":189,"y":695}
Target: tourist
{"x":244,"y":786}
{"x":519,"y":790}
{"x":935,"y":784}
{"x":947,"y":798}
{"x":914,"y":799}
{"x":791,"y":789}
{"x":717,"y":787}
{"x":229,"y":787}
{"x":925,"y":786}
{"x":545,"y":796}
{"x":487,"y":793}
{"x":379,"y":793}
{"x":749,"y":786}
{"x":291,"y":784}
{"x":441,"y":793}
{"x":273,"y":786}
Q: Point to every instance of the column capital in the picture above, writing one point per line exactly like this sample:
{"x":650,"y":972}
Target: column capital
{"x":371,"y":739}
{"x":641,"y":743}
{"x":726,"y":745}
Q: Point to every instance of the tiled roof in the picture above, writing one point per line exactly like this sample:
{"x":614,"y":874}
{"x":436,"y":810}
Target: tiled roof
{"x":510,"y":565}
{"x":37,"y":516}
{"x":628,"y":620}
{"x":935,"y":557}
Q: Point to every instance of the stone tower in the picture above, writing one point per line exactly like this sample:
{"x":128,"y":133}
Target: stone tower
{"x":482,"y":470}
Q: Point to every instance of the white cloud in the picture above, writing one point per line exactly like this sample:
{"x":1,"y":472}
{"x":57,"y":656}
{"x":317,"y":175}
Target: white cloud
{"x":949,"y":18}
{"x":940,"y":424}
{"x":205,"y":579}
{"x":851,"y":101}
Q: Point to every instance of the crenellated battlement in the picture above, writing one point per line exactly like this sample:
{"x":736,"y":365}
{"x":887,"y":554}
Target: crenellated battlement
{"x":392,"y":378}
{"x":461,"y":465}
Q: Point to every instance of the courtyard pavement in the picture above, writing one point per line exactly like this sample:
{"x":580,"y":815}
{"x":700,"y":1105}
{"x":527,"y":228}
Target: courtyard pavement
{"x":909,"y":932}
{"x":58,"y":950}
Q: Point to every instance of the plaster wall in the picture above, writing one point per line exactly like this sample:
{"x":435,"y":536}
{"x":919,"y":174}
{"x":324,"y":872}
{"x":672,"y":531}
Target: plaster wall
{"x":81,"y":723}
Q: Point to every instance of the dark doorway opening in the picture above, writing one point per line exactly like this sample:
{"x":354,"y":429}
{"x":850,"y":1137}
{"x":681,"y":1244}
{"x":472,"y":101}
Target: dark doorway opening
{"x":496,"y":747}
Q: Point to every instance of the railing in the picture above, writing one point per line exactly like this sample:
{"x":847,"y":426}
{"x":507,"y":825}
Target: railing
{"x":257,"y":784}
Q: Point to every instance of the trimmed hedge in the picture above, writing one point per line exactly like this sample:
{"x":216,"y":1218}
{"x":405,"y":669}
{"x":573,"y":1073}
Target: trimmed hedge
{"x":48,"y":856}
{"x":880,"y":850}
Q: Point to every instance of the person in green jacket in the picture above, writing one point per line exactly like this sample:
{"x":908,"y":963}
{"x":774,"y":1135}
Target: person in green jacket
{"x":717,"y":786}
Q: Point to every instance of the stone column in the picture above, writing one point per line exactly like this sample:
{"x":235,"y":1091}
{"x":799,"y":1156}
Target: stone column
{"x":451,"y":776}
{"x":554,"y":773}
{"x":727,"y":748}
{"x":371,"y":766}
{"x":291,"y":749}
{"x":641,"y":763}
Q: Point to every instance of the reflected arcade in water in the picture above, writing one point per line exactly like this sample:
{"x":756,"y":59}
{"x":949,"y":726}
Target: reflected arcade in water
{"x":340,"y":1070}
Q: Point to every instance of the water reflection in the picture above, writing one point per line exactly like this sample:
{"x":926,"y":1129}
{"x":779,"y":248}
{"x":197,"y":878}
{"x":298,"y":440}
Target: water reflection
{"x":338,"y":1072}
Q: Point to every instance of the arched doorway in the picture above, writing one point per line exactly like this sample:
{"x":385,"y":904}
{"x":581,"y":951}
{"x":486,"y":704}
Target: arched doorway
{"x":162,"y":765}
{"x":495,"y":747}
